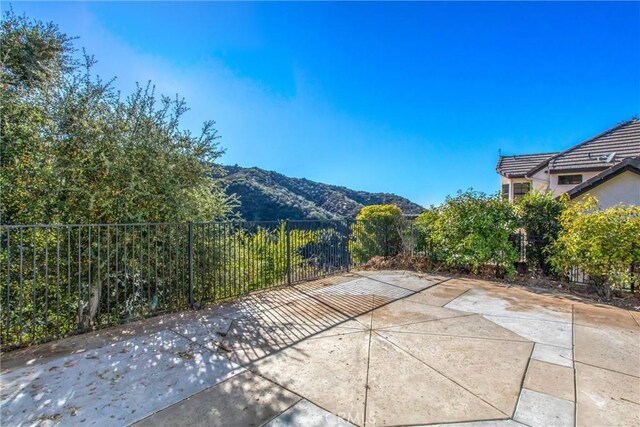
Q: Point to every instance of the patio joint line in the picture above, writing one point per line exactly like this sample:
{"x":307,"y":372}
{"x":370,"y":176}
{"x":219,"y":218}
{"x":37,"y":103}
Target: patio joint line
{"x":443,"y":375}
{"x":634,"y":318}
{"x":433,"y":305}
{"x":455,"y":298}
{"x":426,"y":321}
{"x":526,"y":318}
{"x":459,"y":423}
{"x":280,"y":413}
{"x":402,"y":287}
{"x":192,"y":395}
{"x":607,"y":369}
{"x":366,"y":387}
{"x":524,"y":376}
{"x":255,"y":372}
{"x":583,"y":325}
{"x":630,"y":401}
{"x":523,"y":341}
{"x":573,"y":363}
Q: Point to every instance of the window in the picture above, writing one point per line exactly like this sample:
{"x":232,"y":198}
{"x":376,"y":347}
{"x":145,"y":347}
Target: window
{"x":520,"y":189}
{"x":569,"y":179}
{"x":505,"y":191}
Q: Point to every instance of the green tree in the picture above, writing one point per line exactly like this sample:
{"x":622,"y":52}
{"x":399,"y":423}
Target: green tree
{"x":424,"y":227}
{"x":603,"y":243}
{"x":539,"y":215}
{"x":73,"y":150}
{"x":377,"y":231}
{"x":34,"y":58}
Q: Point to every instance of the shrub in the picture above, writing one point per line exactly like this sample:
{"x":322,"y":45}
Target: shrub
{"x":539,"y":215}
{"x":603,"y":243}
{"x":424,"y":226}
{"x":378,"y":231}
{"x":470,"y":231}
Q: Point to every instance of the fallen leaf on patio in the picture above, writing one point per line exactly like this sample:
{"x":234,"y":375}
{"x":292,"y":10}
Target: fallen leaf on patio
{"x":185,"y":355}
{"x":222,"y":347}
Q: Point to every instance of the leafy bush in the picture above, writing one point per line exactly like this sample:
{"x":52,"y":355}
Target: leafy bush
{"x":539,"y":216}
{"x":377,"y":231}
{"x":603,"y":243}
{"x":470,"y":231}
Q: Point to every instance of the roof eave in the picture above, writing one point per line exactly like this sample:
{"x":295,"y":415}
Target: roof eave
{"x":538,"y":167}
{"x":579,"y":170}
{"x":511,"y":175}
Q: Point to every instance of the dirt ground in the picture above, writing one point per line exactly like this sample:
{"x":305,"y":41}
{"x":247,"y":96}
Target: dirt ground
{"x":587,"y":293}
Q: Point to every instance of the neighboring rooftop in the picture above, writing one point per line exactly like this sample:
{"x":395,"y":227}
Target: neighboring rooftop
{"x":600,"y":152}
{"x":518,"y":166}
{"x":595,"y":154}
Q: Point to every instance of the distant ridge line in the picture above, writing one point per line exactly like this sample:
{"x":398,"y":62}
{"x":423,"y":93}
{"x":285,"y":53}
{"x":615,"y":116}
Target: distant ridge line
{"x":268,"y":196}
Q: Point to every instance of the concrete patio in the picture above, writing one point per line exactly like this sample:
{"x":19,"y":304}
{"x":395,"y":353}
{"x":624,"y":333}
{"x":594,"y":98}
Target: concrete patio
{"x":367,"y":348}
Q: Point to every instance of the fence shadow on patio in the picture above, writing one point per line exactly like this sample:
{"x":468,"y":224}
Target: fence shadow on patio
{"x":280,"y":318}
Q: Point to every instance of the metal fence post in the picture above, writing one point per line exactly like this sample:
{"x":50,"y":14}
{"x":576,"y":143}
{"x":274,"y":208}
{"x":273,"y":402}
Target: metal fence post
{"x":191,"y":302}
{"x":412,"y":242}
{"x":287,"y":233}
{"x":348,"y":252}
{"x":386,"y":239}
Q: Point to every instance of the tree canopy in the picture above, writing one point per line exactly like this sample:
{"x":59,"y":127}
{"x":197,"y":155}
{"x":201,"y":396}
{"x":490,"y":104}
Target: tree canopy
{"x":74,"y":150}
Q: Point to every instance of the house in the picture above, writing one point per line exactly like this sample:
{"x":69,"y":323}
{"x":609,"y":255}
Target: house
{"x":606,"y":166}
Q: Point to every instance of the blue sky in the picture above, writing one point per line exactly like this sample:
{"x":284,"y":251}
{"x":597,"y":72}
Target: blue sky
{"x":410,"y":98}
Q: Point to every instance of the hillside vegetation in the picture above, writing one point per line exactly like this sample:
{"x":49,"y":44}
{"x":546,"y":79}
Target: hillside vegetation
{"x":266,"y":196}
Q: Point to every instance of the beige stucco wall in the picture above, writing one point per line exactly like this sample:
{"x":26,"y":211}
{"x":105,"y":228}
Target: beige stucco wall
{"x":559,"y":189}
{"x":540,"y":180}
{"x":624,"y":188}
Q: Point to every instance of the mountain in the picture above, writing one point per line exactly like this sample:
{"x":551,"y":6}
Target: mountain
{"x":267,"y":196}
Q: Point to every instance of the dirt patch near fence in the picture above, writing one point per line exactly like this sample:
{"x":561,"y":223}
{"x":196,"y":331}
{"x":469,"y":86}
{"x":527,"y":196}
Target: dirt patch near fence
{"x":626,"y":300}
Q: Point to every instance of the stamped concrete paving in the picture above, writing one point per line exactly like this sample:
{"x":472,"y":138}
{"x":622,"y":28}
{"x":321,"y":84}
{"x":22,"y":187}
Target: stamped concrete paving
{"x":373,"y":348}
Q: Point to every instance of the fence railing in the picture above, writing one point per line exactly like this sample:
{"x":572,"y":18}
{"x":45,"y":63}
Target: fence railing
{"x":532,"y":251}
{"x":59,"y":280}
{"x":65,"y":279}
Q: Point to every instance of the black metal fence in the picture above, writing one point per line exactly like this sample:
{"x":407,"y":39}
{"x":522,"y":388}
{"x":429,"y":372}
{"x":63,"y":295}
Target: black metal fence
{"x":65,"y":279}
{"x":533,"y":256}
